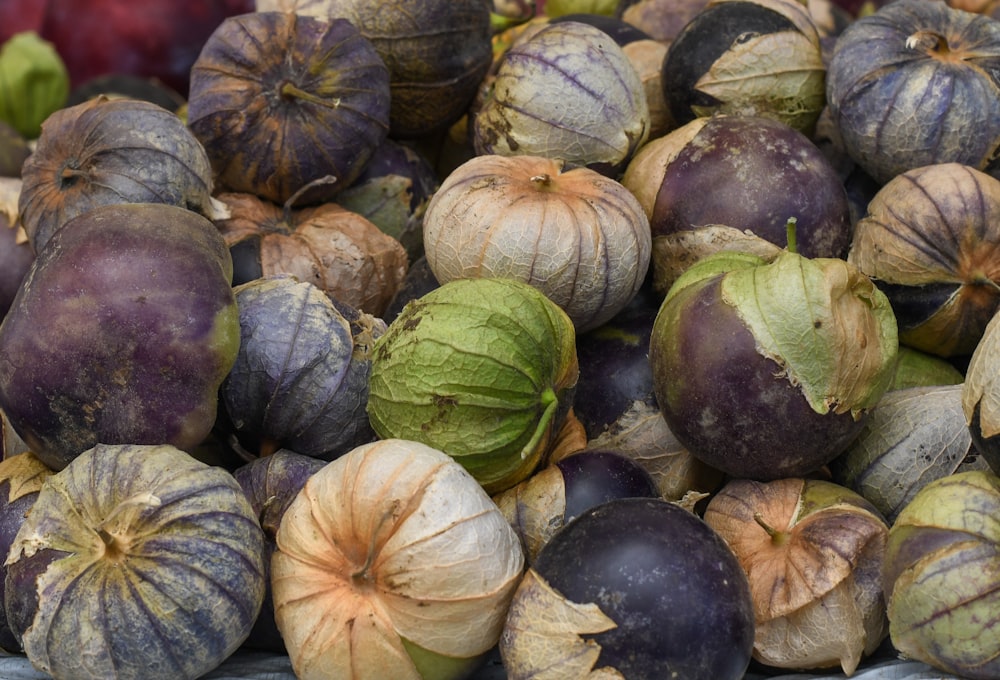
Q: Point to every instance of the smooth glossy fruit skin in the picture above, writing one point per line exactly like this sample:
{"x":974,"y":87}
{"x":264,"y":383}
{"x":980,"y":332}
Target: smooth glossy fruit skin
{"x":729,"y":405}
{"x":121,"y":333}
{"x":594,"y":476}
{"x":614,"y":365}
{"x":768,"y":172}
{"x":680,"y":599}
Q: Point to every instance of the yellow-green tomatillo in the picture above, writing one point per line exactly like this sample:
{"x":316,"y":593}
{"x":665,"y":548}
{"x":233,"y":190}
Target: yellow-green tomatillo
{"x":482,"y":369}
{"x":940,"y":575}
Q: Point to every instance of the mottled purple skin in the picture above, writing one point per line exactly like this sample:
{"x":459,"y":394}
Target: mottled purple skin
{"x":594,"y":476}
{"x":115,"y":335}
{"x":11,"y":518}
{"x":437,"y":53}
{"x":755,"y":173}
{"x":15,"y":261}
{"x":614,"y":365}
{"x":271,"y":484}
{"x":680,"y":599}
{"x":727,"y":404}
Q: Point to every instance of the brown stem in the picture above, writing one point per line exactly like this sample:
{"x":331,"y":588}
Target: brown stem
{"x":928,"y":41}
{"x":287,"y":208}
{"x":290,"y":90}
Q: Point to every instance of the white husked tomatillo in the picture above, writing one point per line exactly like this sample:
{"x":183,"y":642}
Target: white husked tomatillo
{"x":392,"y":562}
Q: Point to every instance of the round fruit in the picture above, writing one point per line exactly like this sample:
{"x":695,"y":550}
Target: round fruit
{"x":767,"y":370}
{"x":637,"y":586}
{"x":915,"y":84}
{"x":122,"y":333}
{"x":280,"y":99}
{"x":482,"y":369}
{"x":579,"y":237}
{"x":135,"y":562}
{"x":392,"y":562}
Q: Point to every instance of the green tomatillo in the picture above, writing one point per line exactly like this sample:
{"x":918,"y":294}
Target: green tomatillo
{"x":34,"y":82}
{"x":483,"y":369}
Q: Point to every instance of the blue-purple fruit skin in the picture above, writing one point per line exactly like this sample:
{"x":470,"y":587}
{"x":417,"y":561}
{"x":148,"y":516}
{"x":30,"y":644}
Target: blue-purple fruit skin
{"x":614,"y":365}
{"x":271,"y":484}
{"x":730,"y":406}
{"x":596,"y":476}
{"x":300,"y":378}
{"x":680,"y":599}
{"x":120,"y":333}
{"x":755,"y":173}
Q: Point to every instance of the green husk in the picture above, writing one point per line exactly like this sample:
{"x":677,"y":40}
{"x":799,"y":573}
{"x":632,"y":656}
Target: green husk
{"x":482,"y":369}
{"x":34,"y":82}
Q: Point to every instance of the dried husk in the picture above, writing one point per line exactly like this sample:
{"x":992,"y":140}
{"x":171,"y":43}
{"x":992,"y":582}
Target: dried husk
{"x":647,"y":57}
{"x":674,"y":253}
{"x":931,"y":236}
{"x":812,"y":551}
{"x":778,"y":73}
{"x":108,"y":151}
{"x":535,"y":508}
{"x":557,"y":646}
{"x":279,"y":100}
{"x":337,"y":250}
{"x":135,"y":562}
{"x":847,"y":363}
{"x":914,"y":84}
{"x":437,"y":53}
{"x":391,"y":548}
{"x":912,"y":437}
{"x":300,"y":379}
{"x":981,"y":394}
{"x":940,"y":582}
{"x":579,"y":237}
{"x":526,"y":112}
